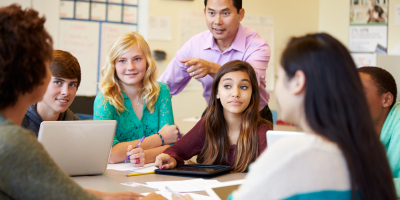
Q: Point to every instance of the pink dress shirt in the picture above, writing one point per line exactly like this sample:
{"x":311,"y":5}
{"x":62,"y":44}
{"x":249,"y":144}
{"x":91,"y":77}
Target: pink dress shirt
{"x":247,"y":46}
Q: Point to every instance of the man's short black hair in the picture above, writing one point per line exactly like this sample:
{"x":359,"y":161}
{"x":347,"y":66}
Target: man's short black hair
{"x":384,"y":81}
{"x":25,"y":47}
{"x":236,"y":3}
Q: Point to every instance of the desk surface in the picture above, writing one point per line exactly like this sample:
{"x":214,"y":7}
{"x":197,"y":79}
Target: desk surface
{"x":111,"y":181}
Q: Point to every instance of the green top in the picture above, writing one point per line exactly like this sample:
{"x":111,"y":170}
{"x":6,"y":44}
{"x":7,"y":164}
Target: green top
{"x":129,"y":127}
{"x":28,"y":172}
{"x":390,"y":137}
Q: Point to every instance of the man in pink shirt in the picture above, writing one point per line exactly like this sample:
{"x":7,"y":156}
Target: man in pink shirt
{"x":226,"y":40}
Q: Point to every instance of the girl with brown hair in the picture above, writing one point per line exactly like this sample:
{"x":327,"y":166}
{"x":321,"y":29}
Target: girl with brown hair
{"x":231,"y":132}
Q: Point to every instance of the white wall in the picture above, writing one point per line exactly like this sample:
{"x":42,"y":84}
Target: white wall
{"x":291,"y":18}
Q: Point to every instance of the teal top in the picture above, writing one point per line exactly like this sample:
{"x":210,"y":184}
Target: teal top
{"x":131,"y":128}
{"x":390,"y":137}
{"x":328,"y":194}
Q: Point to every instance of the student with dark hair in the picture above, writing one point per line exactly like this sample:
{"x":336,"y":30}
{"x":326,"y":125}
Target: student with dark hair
{"x":60,"y":93}
{"x":231,"y":132}
{"x":339,"y":156}
{"x":226,"y":40}
{"x":381,"y":91}
{"x":26,"y":170}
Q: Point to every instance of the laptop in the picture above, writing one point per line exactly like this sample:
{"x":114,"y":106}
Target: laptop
{"x":78,"y":147}
{"x":273,"y":136}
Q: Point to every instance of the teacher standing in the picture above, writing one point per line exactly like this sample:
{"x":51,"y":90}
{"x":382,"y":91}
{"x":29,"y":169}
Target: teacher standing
{"x":226,"y":40}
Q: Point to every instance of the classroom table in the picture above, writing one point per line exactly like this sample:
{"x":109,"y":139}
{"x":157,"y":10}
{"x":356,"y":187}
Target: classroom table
{"x":111,"y":181}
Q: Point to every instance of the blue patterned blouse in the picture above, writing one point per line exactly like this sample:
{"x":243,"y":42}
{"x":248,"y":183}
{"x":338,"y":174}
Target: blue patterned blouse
{"x":129,"y":127}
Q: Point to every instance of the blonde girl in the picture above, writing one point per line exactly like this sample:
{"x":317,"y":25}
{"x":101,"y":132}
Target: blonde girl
{"x":130,"y":94}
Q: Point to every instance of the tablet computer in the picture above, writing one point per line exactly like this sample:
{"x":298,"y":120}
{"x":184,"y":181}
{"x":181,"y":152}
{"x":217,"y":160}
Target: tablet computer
{"x":196,"y":170}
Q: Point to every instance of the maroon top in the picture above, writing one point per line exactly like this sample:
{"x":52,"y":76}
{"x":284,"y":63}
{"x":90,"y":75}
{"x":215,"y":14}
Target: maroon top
{"x":192,"y":144}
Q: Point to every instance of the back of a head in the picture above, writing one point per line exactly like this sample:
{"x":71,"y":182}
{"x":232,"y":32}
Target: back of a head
{"x":335,"y":107}
{"x":65,"y":65}
{"x":25,"y":47}
{"x":384,"y":81}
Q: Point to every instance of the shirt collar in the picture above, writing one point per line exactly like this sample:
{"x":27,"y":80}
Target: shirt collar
{"x":2,"y":119}
{"x":239,"y":43}
{"x":123,"y":94}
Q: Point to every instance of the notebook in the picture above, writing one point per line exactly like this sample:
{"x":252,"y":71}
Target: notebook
{"x":273,"y":136}
{"x":78,"y":147}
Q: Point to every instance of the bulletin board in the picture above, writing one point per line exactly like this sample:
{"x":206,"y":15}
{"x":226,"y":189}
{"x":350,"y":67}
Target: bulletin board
{"x":87,"y":29}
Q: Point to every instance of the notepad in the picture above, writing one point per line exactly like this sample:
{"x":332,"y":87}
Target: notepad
{"x":192,"y":185}
{"x":168,"y":195}
{"x":149,"y":167}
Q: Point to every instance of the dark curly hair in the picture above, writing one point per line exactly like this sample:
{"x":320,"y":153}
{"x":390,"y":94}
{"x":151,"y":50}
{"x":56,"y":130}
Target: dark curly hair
{"x":383,"y":80}
{"x":25,"y":48}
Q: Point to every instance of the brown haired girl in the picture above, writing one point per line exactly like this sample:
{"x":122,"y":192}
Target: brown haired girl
{"x":231,"y":132}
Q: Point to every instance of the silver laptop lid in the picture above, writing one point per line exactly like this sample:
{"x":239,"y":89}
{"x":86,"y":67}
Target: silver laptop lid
{"x":78,"y":147}
{"x":273,"y":136}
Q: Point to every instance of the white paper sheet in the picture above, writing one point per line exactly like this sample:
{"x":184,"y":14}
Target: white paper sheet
{"x":168,"y":195}
{"x":395,"y":50}
{"x":397,"y":15}
{"x":98,"y":11}
{"x":159,"y":28}
{"x":130,"y":14}
{"x":128,"y":167}
{"x":67,"y":9}
{"x":193,"y":185}
{"x":82,"y":10}
{"x":114,"y":13}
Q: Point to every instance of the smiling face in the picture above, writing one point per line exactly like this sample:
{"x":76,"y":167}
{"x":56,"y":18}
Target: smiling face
{"x":223,"y":20}
{"x":131,"y":68}
{"x":59,"y":94}
{"x":234,"y":92}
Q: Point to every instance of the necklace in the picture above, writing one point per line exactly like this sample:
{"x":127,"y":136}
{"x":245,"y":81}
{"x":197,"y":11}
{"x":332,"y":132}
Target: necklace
{"x":138,"y":102}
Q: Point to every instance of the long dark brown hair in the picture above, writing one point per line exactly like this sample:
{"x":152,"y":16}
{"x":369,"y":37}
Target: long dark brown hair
{"x":336,"y":108}
{"x":216,"y":146}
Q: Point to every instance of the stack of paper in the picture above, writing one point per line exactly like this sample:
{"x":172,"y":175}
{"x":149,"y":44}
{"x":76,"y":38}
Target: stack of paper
{"x":193,"y":185}
{"x":128,"y":167}
{"x":168,"y":195}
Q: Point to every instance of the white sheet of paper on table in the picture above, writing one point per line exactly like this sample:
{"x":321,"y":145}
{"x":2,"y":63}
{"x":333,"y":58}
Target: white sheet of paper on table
{"x":192,"y":185}
{"x":128,"y":167}
{"x":168,"y":195}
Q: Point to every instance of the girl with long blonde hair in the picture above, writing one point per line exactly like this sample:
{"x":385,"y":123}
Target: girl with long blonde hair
{"x":130,"y":94}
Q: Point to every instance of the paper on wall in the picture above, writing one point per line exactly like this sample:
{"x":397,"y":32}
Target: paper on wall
{"x":159,"y":28}
{"x":397,"y":15}
{"x":395,"y":50}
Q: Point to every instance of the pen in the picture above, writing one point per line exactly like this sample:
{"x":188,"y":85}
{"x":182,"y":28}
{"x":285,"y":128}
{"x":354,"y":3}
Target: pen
{"x":141,"y":140}
{"x":175,"y":193}
{"x":140,"y":173}
{"x":179,"y":133}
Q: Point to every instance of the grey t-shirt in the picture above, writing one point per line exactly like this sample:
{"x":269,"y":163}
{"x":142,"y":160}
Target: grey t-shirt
{"x":32,"y":119}
{"x":28,"y":172}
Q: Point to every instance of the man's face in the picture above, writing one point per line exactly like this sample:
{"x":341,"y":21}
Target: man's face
{"x":223,"y":20}
{"x":374,"y":99}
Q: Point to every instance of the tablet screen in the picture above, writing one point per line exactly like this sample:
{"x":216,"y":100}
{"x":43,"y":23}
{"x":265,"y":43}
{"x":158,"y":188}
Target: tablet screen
{"x":200,"y":170}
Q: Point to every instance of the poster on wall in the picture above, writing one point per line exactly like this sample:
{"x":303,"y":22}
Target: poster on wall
{"x":368,"y":26}
{"x":87,"y":29}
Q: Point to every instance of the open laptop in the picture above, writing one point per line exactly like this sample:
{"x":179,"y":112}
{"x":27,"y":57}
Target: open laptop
{"x":78,"y":147}
{"x":273,"y":136}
